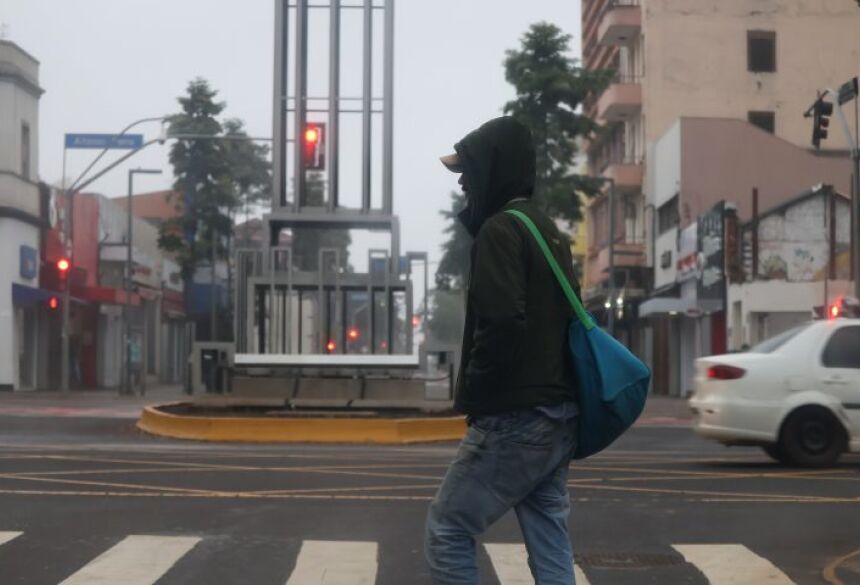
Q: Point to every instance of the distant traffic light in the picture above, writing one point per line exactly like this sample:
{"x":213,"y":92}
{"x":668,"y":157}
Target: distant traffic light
{"x":53,"y":303}
{"x":313,"y":144}
{"x":821,"y":113}
{"x":331,"y":346}
{"x":353,"y":333}
{"x":64,"y":265}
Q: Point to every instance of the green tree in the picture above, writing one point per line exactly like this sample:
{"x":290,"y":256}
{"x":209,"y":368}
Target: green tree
{"x":249,"y":167}
{"x":307,"y":241}
{"x":454,"y":266}
{"x":201,"y":170}
{"x":551,"y":88}
{"x":447,"y":315}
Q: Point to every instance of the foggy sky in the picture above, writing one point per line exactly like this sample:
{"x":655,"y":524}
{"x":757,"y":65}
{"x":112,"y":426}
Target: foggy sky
{"x":105,"y":63}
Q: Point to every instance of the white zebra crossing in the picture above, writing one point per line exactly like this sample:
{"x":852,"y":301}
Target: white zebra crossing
{"x":7,"y":536}
{"x":335,"y":563}
{"x":732,"y":564}
{"x":143,"y":560}
{"x":137,"y":560}
{"x":511,"y":564}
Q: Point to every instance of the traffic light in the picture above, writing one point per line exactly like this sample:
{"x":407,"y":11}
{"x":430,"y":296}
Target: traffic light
{"x":331,"y":346}
{"x":821,"y":113}
{"x":353,"y":334}
{"x":64,"y":265}
{"x":313,"y":144}
{"x":53,"y":303}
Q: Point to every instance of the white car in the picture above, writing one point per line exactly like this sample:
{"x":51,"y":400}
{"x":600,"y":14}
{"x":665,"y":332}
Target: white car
{"x":797,"y":395}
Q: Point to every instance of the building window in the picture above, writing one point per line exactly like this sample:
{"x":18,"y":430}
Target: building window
{"x":667,"y":215}
{"x":764,"y":120}
{"x":761,"y":51}
{"x":25,"y":150}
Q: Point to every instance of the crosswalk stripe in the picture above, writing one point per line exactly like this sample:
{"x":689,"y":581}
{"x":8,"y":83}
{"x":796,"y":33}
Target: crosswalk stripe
{"x":136,"y":560}
{"x":7,"y":536}
{"x":732,"y":564}
{"x":323,"y":562}
{"x":512,"y":566}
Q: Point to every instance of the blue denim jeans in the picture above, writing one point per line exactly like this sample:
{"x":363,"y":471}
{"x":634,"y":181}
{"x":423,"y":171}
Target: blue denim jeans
{"x":514,"y":460}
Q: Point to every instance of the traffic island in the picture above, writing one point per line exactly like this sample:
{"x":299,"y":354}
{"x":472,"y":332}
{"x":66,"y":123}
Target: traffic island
{"x":363,"y":422}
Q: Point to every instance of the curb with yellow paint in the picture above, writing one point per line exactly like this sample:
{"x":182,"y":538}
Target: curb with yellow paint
{"x":398,"y":431}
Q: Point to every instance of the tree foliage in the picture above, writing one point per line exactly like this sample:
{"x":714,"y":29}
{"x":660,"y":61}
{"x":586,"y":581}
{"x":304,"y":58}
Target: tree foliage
{"x":551,"y":88}
{"x":454,"y":266}
{"x":447,"y":316}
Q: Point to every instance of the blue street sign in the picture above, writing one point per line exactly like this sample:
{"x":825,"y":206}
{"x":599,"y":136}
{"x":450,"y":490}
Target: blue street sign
{"x":112,"y":141}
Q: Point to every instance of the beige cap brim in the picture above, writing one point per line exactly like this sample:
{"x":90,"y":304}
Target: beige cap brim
{"x":452,"y":162}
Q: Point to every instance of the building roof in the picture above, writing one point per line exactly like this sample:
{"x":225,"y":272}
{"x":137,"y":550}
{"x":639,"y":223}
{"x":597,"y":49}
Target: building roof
{"x":157,"y":206}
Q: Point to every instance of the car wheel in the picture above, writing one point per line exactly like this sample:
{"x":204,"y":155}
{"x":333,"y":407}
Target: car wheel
{"x":775,"y":452}
{"x":812,"y":437}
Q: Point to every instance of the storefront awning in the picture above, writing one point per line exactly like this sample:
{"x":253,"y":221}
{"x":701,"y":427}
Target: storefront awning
{"x":678,"y":306}
{"x":23,"y":295}
{"x":28,"y":295}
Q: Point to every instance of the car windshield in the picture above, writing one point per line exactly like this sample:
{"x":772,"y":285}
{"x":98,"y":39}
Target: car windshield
{"x":777,"y":341}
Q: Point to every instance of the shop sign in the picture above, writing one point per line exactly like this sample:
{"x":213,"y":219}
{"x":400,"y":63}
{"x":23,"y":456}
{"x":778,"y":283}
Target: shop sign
{"x":29,"y":266}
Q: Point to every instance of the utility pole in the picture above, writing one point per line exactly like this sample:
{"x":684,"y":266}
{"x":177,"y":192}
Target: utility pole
{"x":610,"y":322}
{"x":848,"y":91}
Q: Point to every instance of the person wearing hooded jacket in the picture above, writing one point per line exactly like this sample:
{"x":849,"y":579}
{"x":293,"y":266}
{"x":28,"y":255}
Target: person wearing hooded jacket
{"x":516,"y":384}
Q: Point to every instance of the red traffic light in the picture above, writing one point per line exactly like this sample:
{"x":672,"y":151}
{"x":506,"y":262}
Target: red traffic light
{"x":353,"y":333}
{"x":331,"y":346}
{"x":314,"y":146}
{"x":63,"y":265}
{"x":416,"y":320}
{"x":834,"y":311}
{"x":53,"y":303}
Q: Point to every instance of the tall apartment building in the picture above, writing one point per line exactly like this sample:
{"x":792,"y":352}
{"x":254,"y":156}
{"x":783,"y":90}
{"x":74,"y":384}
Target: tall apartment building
{"x":759,"y":62}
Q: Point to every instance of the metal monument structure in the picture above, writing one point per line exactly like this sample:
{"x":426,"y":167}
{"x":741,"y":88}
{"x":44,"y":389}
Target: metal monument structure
{"x":330,"y":317}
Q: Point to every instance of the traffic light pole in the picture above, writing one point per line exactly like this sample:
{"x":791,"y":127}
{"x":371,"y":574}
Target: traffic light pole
{"x":67,"y":244}
{"x":855,"y":187}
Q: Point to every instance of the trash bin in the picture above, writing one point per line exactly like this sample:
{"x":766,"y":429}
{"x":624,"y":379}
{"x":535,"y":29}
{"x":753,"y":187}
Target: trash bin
{"x":209,"y":369}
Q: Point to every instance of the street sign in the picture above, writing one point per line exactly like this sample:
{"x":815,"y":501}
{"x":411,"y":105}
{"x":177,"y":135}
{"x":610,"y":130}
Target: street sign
{"x":101,"y":141}
{"x":848,"y":91}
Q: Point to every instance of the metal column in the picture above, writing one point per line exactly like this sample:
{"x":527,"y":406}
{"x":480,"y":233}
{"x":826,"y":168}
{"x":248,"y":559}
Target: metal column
{"x":279,"y":120}
{"x":333,"y":102}
{"x":388,"y":109}
{"x":366,"y":107}
{"x":301,"y":92}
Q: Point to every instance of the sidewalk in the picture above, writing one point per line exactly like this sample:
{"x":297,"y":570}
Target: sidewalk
{"x":85,"y":403}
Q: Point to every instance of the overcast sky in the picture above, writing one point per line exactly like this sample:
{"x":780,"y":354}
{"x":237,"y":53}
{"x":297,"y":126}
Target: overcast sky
{"x":105,"y":63}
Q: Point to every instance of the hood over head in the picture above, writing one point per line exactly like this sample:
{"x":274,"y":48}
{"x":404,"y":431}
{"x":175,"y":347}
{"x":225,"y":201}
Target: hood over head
{"x":498,"y":162}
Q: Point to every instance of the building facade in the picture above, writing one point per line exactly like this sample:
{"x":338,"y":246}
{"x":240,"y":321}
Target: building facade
{"x":22,"y":219}
{"x":757,"y":65}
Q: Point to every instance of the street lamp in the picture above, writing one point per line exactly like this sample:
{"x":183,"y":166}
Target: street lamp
{"x":68,"y":193}
{"x":129,"y":271}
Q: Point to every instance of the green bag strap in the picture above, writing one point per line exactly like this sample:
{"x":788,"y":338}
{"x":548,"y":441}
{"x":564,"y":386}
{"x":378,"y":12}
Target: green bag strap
{"x":584,"y":317}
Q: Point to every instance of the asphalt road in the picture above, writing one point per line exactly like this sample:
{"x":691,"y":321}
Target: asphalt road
{"x":92,"y":500}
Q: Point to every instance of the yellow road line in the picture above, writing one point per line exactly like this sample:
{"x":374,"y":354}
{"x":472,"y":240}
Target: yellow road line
{"x":714,"y":493}
{"x":214,"y":495}
{"x":106,"y":484}
{"x":829,"y":572}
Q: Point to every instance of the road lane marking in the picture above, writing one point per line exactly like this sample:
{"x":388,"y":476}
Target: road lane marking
{"x":511,"y":563}
{"x":7,"y":536}
{"x":829,"y":572}
{"x":732,"y":564}
{"x":136,"y":560}
{"x":106,"y":484}
{"x":684,"y":492}
{"x":322,"y":562}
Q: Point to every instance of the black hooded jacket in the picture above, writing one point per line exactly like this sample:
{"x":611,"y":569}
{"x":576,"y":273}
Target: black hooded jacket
{"x":514,"y":344}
